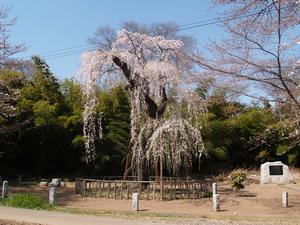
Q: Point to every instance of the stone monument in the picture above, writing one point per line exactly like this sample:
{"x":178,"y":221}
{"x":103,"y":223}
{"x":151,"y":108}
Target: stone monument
{"x":275,"y":172}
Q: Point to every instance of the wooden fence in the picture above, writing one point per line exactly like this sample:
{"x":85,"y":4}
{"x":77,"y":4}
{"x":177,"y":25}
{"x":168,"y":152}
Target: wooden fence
{"x":150,"y":190}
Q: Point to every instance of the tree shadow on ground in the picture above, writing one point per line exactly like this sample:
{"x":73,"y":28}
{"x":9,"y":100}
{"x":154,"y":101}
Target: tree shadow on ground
{"x":246,"y":194}
{"x":65,"y":196}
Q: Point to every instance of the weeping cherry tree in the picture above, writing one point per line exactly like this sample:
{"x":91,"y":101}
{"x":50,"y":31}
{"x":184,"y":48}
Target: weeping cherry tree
{"x":165,"y":123}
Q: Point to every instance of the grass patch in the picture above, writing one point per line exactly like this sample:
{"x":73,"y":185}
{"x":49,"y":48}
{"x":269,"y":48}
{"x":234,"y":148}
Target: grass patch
{"x":28,"y":201}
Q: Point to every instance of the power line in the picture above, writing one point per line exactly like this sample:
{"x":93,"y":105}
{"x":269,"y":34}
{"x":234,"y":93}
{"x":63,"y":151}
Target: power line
{"x":58,"y":53}
{"x":197,"y":22}
{"x":69,"y":53}
{"x":215,"y":21}
{"x":200,"y":25}
{"x":63,"y":49}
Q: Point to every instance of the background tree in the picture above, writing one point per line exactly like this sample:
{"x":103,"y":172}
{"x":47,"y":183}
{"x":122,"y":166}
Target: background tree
{"x":10,"y":81}
{"x":260,"y":51}
{"x":260,"y":48}
{"x":7,"y":49}
{"x":48,"y":141}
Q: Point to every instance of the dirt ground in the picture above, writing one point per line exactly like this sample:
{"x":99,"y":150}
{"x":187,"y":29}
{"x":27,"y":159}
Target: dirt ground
{"x":255,"y":201}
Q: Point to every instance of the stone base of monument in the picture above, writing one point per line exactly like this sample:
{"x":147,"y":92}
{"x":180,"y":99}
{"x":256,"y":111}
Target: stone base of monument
{"x":56,"y":182}
{"x":43,"y":184}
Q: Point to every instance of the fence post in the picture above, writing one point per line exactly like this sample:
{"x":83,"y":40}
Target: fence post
{"x":194,"y":196}
{"x":135,"y":201}
{"x":285,"y":199}
{"x":84,"y":187}
{"x":76,"y":186}
{"x":115,"y":190}
{"x":154,"y":187}
{"x":216,"y":202}
{"x":52,"y":193}
{"x":214,"y":188}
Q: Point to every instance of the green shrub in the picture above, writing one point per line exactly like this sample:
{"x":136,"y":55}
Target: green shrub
{"x":28,"y":201}
{"x":237,"y":180}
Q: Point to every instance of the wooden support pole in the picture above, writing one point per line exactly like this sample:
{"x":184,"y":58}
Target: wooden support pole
{"x":161,"y":176}
{"x":115,"y":190}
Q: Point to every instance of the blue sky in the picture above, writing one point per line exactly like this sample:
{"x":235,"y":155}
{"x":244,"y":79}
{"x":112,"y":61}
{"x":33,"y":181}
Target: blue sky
{"x":47,"y":25}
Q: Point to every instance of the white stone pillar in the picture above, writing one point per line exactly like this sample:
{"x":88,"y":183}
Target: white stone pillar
{"x":214,"y":189}
{"x":216,"y":202}
{"x":285,"y":199}
{"x":5,"y":189}
{"x":52,"y":195}
{"x":135,"y":202}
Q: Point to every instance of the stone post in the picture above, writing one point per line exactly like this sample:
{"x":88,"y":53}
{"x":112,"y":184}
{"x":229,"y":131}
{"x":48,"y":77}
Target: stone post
{"x":135,"y":202}
{"x":214,"y":189}
{"x":5,"y":189}
{"x":216,"y":202}
{"x":52,"y":195}
{"x":285,"y":199}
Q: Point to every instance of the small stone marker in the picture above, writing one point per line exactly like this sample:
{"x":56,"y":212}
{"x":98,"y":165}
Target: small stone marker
{"x":52,"y":193}
{"x":214,"y":188}
{"x":5,"y":189}
{"x":216,"y":202}
{"x":285,"y":199}
{"x":135,"y":202}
